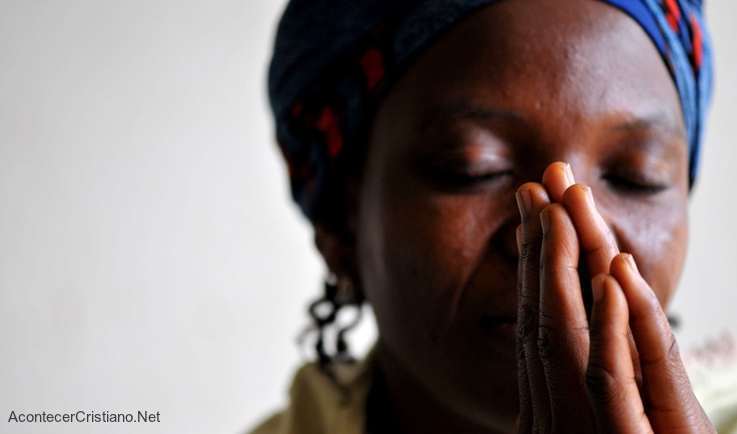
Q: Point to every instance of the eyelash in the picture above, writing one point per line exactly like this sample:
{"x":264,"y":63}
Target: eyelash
{"x":465,"y":180}
{"x":632,"y":186}
{"x":622,"y":183}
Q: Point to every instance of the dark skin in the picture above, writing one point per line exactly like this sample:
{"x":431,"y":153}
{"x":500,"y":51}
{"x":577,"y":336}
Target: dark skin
{"x":479,"y":304}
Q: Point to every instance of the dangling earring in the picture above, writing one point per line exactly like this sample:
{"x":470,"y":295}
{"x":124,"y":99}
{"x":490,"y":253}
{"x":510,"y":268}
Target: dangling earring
{"x":339,"y":291}
{"x":347,"y":296}
{"x":345,"y":291}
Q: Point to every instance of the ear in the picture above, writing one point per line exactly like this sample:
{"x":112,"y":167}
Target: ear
{"x":339,"y":253}
{"x":335,"y":228}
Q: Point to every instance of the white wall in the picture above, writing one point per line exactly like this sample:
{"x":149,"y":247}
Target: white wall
{"x":149,"y":255}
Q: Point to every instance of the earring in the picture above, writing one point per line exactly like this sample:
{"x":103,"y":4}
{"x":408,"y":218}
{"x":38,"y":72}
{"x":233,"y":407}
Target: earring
{"x":345,"y":291}
{"x":339,"y":288}
{"x":338,"y":292}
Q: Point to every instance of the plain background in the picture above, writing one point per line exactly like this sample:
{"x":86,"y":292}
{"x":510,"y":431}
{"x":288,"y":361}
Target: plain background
{"x":150,"y":257}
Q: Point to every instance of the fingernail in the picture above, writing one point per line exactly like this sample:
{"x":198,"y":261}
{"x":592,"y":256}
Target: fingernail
{"x":589,"y":196}
{"x":545,"y":220}
{"x":597,"y":286}
{"x":631,"y":262}
{"x":569,"y":174}
{"x":524,"y":202}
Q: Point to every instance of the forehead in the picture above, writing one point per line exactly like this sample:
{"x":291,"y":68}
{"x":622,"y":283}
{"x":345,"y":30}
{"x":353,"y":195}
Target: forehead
{"x":573,"y":62}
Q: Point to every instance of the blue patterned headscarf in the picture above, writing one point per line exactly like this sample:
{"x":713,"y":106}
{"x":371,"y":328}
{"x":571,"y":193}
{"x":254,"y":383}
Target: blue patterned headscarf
{"x":333,"y":59}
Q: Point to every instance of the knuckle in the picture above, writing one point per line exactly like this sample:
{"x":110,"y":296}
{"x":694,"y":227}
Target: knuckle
{"x":673,"y":354}
{"x":669,"y":357}
{"x":652,"y":304}
{"x":525,"y":251}
{"x":545,"y":346}
{"x":526,"y":325}
{"x":522,"y":331}
{"x":601,"y":384}
{"x":521,"y":357}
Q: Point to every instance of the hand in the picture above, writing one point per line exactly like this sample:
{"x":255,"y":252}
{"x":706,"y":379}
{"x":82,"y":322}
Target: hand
{"x":579,"y":374}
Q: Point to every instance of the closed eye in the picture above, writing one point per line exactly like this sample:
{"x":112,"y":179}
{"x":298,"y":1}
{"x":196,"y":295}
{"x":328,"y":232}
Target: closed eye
{"x":634,"y":185}
{"x":463,"y":179}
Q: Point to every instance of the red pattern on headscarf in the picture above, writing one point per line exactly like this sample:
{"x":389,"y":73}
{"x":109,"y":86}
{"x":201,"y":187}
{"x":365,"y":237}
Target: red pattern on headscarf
{"x":328,"y":125}
{"x":372,"y":63}
{"x":673,"y":14}
{"x":697,"y":42}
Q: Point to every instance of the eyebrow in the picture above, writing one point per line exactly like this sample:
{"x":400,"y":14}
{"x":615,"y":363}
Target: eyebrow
{"x":463,"y":110}
{"x":655,"y":121}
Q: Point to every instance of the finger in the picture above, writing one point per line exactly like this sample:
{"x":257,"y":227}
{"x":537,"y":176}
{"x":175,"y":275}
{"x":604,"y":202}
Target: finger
{"x":557,"y":178}
{"x":597,"y":240}
{"x":563,"y":332}
{"x":600,"y":245}
{"x":531,"y":199}
{"x":671,"y":403}
{"x":610,"y":377}
{"x":524,"y":416}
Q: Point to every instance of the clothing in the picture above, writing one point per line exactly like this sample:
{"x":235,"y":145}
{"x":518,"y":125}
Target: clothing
{"x":333,"y":61}
{"x":316,"y":406}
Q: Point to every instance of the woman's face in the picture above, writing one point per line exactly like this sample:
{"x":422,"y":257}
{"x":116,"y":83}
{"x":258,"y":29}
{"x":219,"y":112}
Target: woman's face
{"x":511,"y":89}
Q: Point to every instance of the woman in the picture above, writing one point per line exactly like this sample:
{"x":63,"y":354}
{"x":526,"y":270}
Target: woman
{"x":476,"y":171}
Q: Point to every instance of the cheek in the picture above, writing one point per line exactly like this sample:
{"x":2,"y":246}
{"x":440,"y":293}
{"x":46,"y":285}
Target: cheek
{"x":417,"y":252}
{"x":657,"y":237}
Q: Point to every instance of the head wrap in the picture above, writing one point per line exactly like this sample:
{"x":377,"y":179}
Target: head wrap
{"x":333,"y":59}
